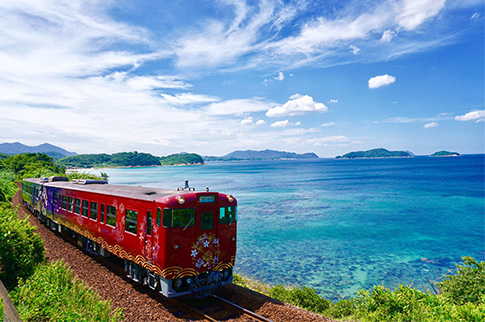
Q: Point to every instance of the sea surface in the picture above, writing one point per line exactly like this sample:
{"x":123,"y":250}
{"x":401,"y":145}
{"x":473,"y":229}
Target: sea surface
{"x":343,"y":225}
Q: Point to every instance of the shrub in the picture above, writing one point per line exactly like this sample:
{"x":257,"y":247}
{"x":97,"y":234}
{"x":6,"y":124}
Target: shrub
{"x":304,"y":297}
{"x":467,"y":285}
{"x":21,"y":249}
{"x":1,"y":309}
{"x":7,"y":186}
{"x":51,"y":294}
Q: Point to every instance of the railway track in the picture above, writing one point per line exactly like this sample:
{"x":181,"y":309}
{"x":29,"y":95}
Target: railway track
{"x":213,"y":308}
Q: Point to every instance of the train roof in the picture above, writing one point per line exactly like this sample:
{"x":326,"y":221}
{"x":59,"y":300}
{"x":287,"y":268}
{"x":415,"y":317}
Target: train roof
{"x":101,"y":187}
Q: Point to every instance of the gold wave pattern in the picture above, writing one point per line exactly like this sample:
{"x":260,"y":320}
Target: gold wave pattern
{"x":168,"y":273}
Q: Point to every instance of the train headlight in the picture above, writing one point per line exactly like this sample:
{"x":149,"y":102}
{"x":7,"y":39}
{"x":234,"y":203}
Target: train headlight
{"x":180,"y":200}
{"x":230,"y":198}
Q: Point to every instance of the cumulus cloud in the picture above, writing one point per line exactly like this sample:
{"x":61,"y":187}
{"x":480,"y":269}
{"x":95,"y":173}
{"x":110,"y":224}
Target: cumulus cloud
{"x":478,"y":115}
{"x":382,"y":80}
{"x":298,"y":104}
{"x":284,"y":123}
{"x":430,"y":125}
{"x":355,"y":50}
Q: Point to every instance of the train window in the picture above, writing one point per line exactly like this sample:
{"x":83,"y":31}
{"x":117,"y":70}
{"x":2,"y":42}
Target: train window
{"x":64,"y":202}
{"x":149,"y":222}
{"x":102,"y":213}
{"x":77,"y":206}
{"x":94,"y":211}
{"x":159,"y":217}
{"x":111,"y":215}
{"x":56,"y":199}
{"x":85,"y":208}
{"x":70,"y":204}
{"x":177,"y":218}
{"x":228,"y":215}
{"x":131,"y":220}
{"x":206,"y":220}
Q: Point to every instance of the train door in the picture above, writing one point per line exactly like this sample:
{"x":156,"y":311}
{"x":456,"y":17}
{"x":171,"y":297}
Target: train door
{"x":148,"y":249}
{"x":206,"y":253}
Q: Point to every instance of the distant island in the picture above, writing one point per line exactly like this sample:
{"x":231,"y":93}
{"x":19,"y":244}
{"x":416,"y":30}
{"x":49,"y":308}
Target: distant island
{"x":261,"y":155}
{"x":376,"y":153}
{"x":128,"y":159}
{"x":53,"y":151}
{"x":445,"y":154}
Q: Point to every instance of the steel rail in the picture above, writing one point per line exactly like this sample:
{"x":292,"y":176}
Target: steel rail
{"x":252,"y":314}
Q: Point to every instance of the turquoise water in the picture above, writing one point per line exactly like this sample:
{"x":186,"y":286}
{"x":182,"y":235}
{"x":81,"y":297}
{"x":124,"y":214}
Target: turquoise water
{"x":342,"y":225}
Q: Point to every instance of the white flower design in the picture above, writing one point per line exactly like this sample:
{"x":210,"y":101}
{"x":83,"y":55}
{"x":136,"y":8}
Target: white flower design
{"x":216,"y":241}
{"x":206,"y":244}
{"x":194,"y":253}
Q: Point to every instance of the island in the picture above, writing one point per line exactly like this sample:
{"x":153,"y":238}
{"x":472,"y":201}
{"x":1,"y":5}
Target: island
{"x":445,"y":154}
{"x":261,"y":155}
{"x":376,"y":153}
{"x":128,"y":159}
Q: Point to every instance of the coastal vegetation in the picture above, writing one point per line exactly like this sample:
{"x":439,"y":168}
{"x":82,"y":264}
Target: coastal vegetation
{"x":127,"y":159}
{"x":459,"y":296}
{"x":40,"y":291}
{"x":375,"y":153}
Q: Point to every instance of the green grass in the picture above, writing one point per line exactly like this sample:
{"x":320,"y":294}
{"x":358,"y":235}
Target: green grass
{"x":1,"y":309}
{"x":52,"y":294}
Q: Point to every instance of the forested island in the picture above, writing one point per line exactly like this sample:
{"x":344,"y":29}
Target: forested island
{"x":445,"y":154}
{"x":375,"y":153}
{"x":261,"y":155}
{"x":128,"y":159}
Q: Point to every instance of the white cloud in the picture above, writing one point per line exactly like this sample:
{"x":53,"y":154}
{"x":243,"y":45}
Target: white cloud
{"x":284,"y":123}
{"x":388,"y":35}
{"x":298,"y":104}
{"x":328,"y":124}
{"x":247,"y":122}
{"x":475,"y":16}
{"x":414,"y":12}
{"x":430,"y":125}
{"x":354,"y":49}
{"x":260,"y":122}
{"x":188,"y":98}
{"x":478,"y":115}
{"x":238,"y":106}
{"x":382,"y":80}
{"x":332,"y":101}
{"x":280,"y":76}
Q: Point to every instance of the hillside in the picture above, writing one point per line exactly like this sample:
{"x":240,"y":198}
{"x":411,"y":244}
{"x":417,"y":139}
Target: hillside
{"x":262,"y":155}
{"x":53,"y":151}
{"x":375,"y":153}
{"x":127,"y":159}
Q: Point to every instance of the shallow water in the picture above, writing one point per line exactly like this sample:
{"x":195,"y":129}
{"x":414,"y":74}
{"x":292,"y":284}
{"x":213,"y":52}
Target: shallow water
{"x":342,"y":225}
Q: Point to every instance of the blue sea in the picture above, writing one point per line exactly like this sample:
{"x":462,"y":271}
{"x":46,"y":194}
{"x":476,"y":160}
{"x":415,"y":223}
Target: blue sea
{"x":343,"y":225}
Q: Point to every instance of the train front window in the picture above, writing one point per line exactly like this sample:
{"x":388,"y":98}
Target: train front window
{"x":131,"y":220}
{"x":228,"y":215}
{"x":178,"y":218}
{"x":206,"y":220}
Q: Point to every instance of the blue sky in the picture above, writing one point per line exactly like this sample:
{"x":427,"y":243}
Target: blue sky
{"x":211,"y":77}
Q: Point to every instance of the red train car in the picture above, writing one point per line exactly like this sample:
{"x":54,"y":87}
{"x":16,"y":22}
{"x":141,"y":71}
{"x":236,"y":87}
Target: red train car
{"x":179,"y":241}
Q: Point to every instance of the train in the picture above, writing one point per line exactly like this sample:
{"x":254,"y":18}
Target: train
{"x":180,"y":241}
